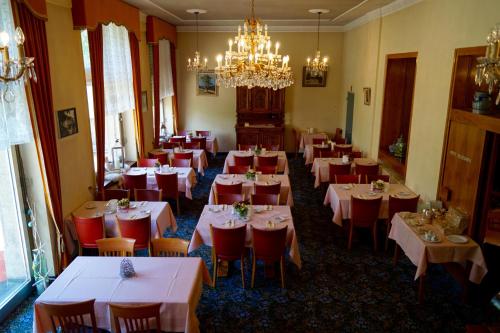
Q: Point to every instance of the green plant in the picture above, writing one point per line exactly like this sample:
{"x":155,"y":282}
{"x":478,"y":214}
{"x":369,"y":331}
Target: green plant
{"x":241,"y":208}
{"x":250,"y":175}
{"x":124,"y":203}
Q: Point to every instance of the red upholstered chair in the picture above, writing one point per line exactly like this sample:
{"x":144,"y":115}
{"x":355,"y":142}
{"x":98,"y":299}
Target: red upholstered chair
{"x":170,"y":145}
{"x":131,"y":182}
{"x":319,"y":141}
{"x":203,"y":133}
{"x":180,"y":163}
{"x":243,"y":160}
{"x":269,"y":246}
{"x":356,"y":154}
{"x":369,"y":178}
{"x":160,"y":156}
{"x":228,"y":199}
{"x":238,"y":169}
{"x":69,"y":317}
{"x":347,"y":179}
{"x":229,"y":188}
{"x":366,"y":169}
{"x":168,"y":183}
{"x":116,"y":193}
{"x":271,"y":147}
{"x":338,"y":169}
{"x":318,"y":150}
{"x":138,"y":229}
{"x":201,"y":141}
{"x":267,"y":189}
{"x":267,"y":169}
{"x":340,"y":141}
{"x":345,"y":150}
{"x":364,"y":214}
{"x":228,"y":244}
{"x":146,"y":162}
{"x":267,"y":160}
{"x":88,"y":230}
{"x":327,"y":153}
{"x":265,"y":199}
{"x":182,"y":133}
{"x":246,"y":147}
{"x":147,"y":195}
{"x":179,"y":140}
{"x":136,"y":318}
{"x":191,"y":145}
{"x":397,"y":205}
{"x":184,"y":156}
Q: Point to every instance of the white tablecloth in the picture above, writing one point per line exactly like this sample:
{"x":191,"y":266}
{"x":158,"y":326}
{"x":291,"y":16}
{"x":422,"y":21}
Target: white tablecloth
{"x":321,"y":169}
{"x":307,"y":138}
{"x":161,"y":219}
{"x":200,"y":161}
{"x":212,"y":145}
{"x":282,"y":159}
{"x":174,"y":282}
{"x":309,"y":152}
{"x":286,"y":197}
{"x":201,"y":234}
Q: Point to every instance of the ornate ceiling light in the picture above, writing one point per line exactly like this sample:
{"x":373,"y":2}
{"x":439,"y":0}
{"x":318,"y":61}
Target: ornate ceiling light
{"x":488,"y":68}
{"x":196,"y":65}
{"x":317,"y":65}
{"x":253,"y":63}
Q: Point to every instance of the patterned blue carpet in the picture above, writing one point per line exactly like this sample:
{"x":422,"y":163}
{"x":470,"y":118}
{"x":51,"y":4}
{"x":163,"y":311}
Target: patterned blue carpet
{"x":336,"y":290}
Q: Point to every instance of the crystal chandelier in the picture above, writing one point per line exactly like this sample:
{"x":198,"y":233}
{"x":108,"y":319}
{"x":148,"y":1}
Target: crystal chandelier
{"x":196,"y":65}
{"x":13,"y":70}
{"x":317,"y":65}
{"x":253,"y":63}
{"x":488,"y":68}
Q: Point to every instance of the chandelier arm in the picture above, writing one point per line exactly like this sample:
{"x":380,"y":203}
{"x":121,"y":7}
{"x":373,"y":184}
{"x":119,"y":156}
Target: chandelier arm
{"x":196,"y":15}
{"x":317,"y":41}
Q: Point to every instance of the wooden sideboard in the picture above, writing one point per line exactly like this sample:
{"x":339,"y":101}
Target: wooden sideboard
{"x":260,"y":116}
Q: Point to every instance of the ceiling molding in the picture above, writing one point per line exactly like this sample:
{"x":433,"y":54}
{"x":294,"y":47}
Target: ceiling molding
{"x":277,"y":28}
{"x":60,"y":3}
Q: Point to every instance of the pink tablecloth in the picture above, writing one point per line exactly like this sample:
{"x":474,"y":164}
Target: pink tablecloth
{"x":307,"y":138}
{"x":200,"y":161}
{"x":186,"y":178}
{"x":286,"y":197}
{"x":321,"y":169}
{"x":339,"y":199}
{"x":174,"y":282}
{"x":282,"y":159}
{"x":309,"y":156}
{"x":212,"y":145}
{"x":421,"y":252}
{"x":201,"y":234}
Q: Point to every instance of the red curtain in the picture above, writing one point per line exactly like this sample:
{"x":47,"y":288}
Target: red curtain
{"x":156,"y":94}
{"x":36,"y":46}
{"x":175,"y":107}
{"x":136,"y":70}
{"x":96,"y":64}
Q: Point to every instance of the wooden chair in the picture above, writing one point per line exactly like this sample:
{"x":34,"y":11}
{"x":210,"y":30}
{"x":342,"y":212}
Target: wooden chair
{"x":269,"y":246}
{"x":116,"y":193}
{"x":184,"y":156}
{"x":319,"y":141}
{"x":229,"y":188}
{"x":267,"y":169}
{"x":201,"y":141}
{"x":370,"y":178}
{"x":168,"y":183}
{"x":340,"y":141}
{"x":327,"y":154}
{"x":366,"y":169}
{"x":228,"y":199}
{"x":70,"y":317}
{"x":238,"y":169}
{"x":492,"y":232}
{"x":228,"y":244}
{"x":271,"y":147}
{"x":170,"y":247}
{"x":343,"y":150}
{"x":116,"y":247}
{"x":146,"y":162}
{"x":364,"y":214}
{"x":131,"y":182}
{"x":265,"y":199}
{"x":182,"y":132}
{"x":267,"y":160}
{"x":203,"y":133}
{"x":138,"y":229}
{"x":267,"y":189}
{"x":147,"y":195}
{"x":356,"y":154}
{"x":243,"y":160}
{"x":191,"y":145}
{"x":136,"y":318}
{"x":247,"y":147}
{"x":88,"y":231}
{"x":170,"y":145}
{"x":178,"y":140}
{"x":347,"y":179}
{"x":160,"y":156}
{"x":318,"y":150}
{"x":338,"y":169}
{"x":397,"y":205}
{"x":181,"y":163}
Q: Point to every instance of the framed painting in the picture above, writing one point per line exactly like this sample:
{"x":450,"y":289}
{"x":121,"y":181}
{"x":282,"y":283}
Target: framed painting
{"x":68,"y":124}
{"x":310,"y":79}
{"x":206,"y":84}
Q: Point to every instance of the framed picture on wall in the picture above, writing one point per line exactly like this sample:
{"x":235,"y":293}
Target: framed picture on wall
{"x":144,"y":101}
{"x":68,"y":124}
{"x":367,"y":95}
{"x":310,"y":79}
{"x":206,"y":84}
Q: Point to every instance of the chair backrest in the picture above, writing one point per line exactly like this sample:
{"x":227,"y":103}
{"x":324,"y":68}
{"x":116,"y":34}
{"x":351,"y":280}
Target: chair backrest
{"x":267,"y":169}
{"x":340,"y":141}
{"x":356,"y":154}
{"x":228,"y":243}
{"x":191,"y":145}
{"x":132,"y":182}
{"x":160,"y":156}
{"x":327,"y":153}
{"x":138,"y":229}
{"x":116,"y":247}
{"x":318,"y":141}
{"x":265,"y":199}
{"x":147,"y":195}
{"x":203,"y":133}
{"x":267,"y":160}
{"x":343,"y":150}
{"x":338,"y":169}
{"x":268,"y":189}
{"x":271,"y":147}
{"x":170,"y":145}
{"x":369,"y":178}
{"x":238,"y":169}
{"x":88,"y":230}
{"x":269,"y":244}
{"x":493,"y":220}
{"x":317,"y":151}
{"x":146,"y":162}
{"x":228,"y":198}
{"x":229,"y":188}
{"x":70,"y":317}
{"x":184,"y":155}
{"x":116,"y":193}
{"x":182,"y":132}
{"x":365,"y":212}
{"x":366,"y":169}
{"x":397,"y":205}
{"x":136,"y":318}
{"x":201,"y":141}
{"x":181,"y":162}
{"x":168,"y":184}
{"x":180,"y":139}
{"x":246,"y":147}
{"x":347,"y":179}
{"x":243,"y":160}
{"x":170,"y":247}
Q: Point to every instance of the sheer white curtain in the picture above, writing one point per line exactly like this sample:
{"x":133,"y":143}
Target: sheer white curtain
{"x":118,"y":81}
{"x":15,"y":123}
{"x":165,"y":68}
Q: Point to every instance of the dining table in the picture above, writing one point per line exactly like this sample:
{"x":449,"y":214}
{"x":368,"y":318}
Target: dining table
{"x":309,"y":150}
{"x":200,"y":161}
{"x":186,"y":177}
{"x":321,"y":168}
{"x":261,"y":216}
{"x":306,"y":138}
{"x":212,"y":144}
{"x":282,"y":159}
{"x":338,"y":196}
{"x":161,"y":214}
{"x":286,"y":197}
{"x":176,"y":283}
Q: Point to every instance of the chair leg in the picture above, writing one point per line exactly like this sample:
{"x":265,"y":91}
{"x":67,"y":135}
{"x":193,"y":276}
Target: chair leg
{"x":375,"y":242}
{"x":253,"y":270}
{"x":282,"y":269}
{"x":214,"y":278}
{"x":242,"y":261}
{"x":349,"y":241}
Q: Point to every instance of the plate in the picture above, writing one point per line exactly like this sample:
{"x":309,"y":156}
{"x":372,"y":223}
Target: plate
{"x":90,"y":206}
{"x":214,"y":209}
{"x":457,"y":239}
{"x":404,"y":194}
{"x":279,"y":219}
{"x":347,"y":187}
{"x":372,"y":194}
{"x":132,"y":206}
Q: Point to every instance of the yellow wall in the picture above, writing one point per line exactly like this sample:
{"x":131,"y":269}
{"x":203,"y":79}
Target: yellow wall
{"x":304,"y":107}
{"x":434,"y":29}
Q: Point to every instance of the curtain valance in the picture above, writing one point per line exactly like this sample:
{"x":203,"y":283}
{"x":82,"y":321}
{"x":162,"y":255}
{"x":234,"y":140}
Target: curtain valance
{"x":37,"y":7}
{"x":157,"y":29}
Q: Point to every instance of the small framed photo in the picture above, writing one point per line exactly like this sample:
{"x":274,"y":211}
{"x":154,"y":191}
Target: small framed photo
{"x":367,"y":95}
{"x":144,"y":101}
{"x":206,"y":84}
{"x":68,"y":124}
{"x":310,"y":79}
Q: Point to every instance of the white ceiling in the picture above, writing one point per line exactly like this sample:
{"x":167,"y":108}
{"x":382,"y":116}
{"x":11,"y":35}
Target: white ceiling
{"x":223,"y":13}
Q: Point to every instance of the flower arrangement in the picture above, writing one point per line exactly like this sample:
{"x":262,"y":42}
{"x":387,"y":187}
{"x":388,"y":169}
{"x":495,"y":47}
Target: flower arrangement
{"x":378,"y":185}
{"x":250,"y":175}
{"x":124,"y":203}
{"x":257,"y":150}
{"x":241,"y":209}
{"x":157,"y":165}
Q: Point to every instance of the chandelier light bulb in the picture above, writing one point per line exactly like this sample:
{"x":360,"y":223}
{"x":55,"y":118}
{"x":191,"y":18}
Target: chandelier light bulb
{"x":4,"y":39}
{"x":19,"y":36}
